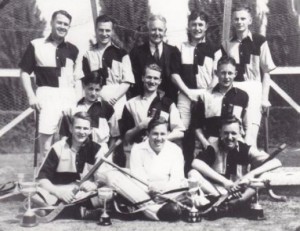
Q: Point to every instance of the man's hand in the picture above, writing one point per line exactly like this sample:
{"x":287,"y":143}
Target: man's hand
{"x":192,"y":96}
{"x":233,"y":188}
{"x":34,"y":103}
{"x":110,"y":100}
{"x":65,"y":195}
{"x":88,"y":186}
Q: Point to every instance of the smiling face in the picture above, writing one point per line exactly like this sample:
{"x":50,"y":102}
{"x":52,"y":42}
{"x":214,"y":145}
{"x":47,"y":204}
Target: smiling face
{"x":241,"y":20}
{"x":104,"y":31}
{"x":60,"y":27}
{"x":197,"y":29}
{"x":151,"y":80}
{"x":226,"y":74}
{"x":81,"y":129}
{"x":157,"y":31}
{"x":157,"y":137}
{"x":92,"y":91}
{"x":230,"y":134}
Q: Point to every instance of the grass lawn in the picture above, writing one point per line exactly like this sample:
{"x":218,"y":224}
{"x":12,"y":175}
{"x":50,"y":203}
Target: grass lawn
{"x":280,"y":215}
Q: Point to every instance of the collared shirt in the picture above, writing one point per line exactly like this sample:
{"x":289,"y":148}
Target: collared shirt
{"x":252,"y":55}
{"x":167,"y":165}
{"x":100,"y":113}
{"x":63,"y":165}
{"x":153,"y":48}
{"x":233,"y":163}
{"x":114,"y":63}
{"x":140,"y":108}
{"x":214,"y":105}
{"x":53,"y":64}
{"x":197,"y":64}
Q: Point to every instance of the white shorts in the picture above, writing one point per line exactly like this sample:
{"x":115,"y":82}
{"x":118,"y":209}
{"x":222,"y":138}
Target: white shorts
{"x":53,"y":101}
{"x":254,"y":91}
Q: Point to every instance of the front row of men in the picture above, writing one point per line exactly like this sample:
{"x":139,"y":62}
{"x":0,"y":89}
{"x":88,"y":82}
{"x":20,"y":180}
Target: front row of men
{"x":156,"y":161}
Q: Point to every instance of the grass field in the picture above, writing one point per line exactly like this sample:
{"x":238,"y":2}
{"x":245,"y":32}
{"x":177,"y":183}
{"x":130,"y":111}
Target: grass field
{"x":280,"y":215}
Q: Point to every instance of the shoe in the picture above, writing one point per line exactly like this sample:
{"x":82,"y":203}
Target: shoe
{"x":89,"y":214}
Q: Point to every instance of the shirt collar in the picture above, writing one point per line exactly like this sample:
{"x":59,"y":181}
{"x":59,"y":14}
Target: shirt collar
{"x":153,"y":47}
{"x":50,"y":39}
{"x":217,"y":89}
{"x":82,"y":100}
{"x":234,"y":38}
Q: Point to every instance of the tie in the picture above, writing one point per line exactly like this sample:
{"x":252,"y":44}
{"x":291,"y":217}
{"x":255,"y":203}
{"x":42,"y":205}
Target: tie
{"x":156,"y":54}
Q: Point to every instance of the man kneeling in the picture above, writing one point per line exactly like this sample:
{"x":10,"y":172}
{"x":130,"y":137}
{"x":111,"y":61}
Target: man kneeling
{"x":226,"y":168}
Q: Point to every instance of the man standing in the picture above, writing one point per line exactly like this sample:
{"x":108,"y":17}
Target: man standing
{"x":52,"y":60}
{"x":166,"y":56}
{"x":114,"y":64}
{"x":252,"y":54}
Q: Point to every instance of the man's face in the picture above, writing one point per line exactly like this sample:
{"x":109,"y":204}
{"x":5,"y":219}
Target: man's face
{"x":241,"y":20}
{"x":226,"y":74}
{"x":92,"y":91}
{"x":157,"y":137}
{"x":197,"y":29}
{"x":229,"y":135}
{"x":151,"y":80}
{"x":104,"y":31}
{"x":81,"y":129}
{"x":157,"y":31}
{"x":60,"y":26}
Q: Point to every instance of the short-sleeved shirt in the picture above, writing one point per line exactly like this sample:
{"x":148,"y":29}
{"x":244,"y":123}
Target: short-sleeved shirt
{"x":252,"y":56}
{"x":140,"y":108}
{"x":167,"y":165}
{"x":100,"y":113}
{"x":197,"y":64}
{"x":113,"y":62}
{"x":64,"y":166}
{"x":214,"y":105}
{"x":53,"y":64}
{"x":235,"y":161}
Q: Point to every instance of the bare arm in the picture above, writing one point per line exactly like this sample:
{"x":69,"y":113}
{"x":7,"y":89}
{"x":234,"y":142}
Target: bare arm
{"x":200,"y":136}
{"x":176,"y":79}
{"x":133,"y":132}
{"x":33,"y":101}
{"x":265,"y":91}
{"x":208,"y":172}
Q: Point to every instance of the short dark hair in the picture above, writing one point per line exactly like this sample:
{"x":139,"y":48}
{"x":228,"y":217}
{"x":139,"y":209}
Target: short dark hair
{"x":226,"y":60}
{"x":156,"y":121}
{"x":230,"y":119}
{"x":81,"y":115}
{"x":93,"y":77}
{"x":63,"y":12}
{"x":198,"y":14}
{"x":104,"y":18}
{"x":242,"y":6}
{"x":152,"y":66}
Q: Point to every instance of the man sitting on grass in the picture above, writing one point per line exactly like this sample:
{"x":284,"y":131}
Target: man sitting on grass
{"x":226,"y":170}
{"x":68,"y":160}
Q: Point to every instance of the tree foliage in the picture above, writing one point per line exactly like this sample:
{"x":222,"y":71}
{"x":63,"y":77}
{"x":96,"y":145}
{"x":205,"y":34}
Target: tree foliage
{"x":20,"y":22}
{"x":131,"y":17}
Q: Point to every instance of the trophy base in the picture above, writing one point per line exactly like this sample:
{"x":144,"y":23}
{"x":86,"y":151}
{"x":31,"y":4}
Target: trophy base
{"x":29,"y":221}
{"x":257,"y":212}
{"x":104,"y":221}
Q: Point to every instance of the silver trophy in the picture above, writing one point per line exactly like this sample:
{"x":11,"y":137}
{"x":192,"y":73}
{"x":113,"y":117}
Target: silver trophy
{"x":105,"y":194}
{"x":28,"y":189}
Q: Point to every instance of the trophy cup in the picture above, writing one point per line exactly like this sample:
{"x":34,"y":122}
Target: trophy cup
{"x":28,"y":189}
{"x":257,"y":212}
{"x":105,"y":194}
{"x":193,"y":214}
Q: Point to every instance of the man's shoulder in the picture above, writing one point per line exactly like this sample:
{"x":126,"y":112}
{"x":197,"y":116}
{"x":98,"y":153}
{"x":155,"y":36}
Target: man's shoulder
{"x":241,"y":93}
{"x":170,"y":48}
{"x":258,"y":38}
{"x":173,"y":148}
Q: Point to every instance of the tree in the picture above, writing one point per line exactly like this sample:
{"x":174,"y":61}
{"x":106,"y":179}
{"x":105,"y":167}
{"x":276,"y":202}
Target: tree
{"x":20,"y":23}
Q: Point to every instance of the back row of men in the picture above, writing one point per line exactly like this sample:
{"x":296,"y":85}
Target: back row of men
{"x":192,"y":87}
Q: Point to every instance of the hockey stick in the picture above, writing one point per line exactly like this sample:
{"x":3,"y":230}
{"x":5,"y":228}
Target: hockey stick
{"x":51,"y":216}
